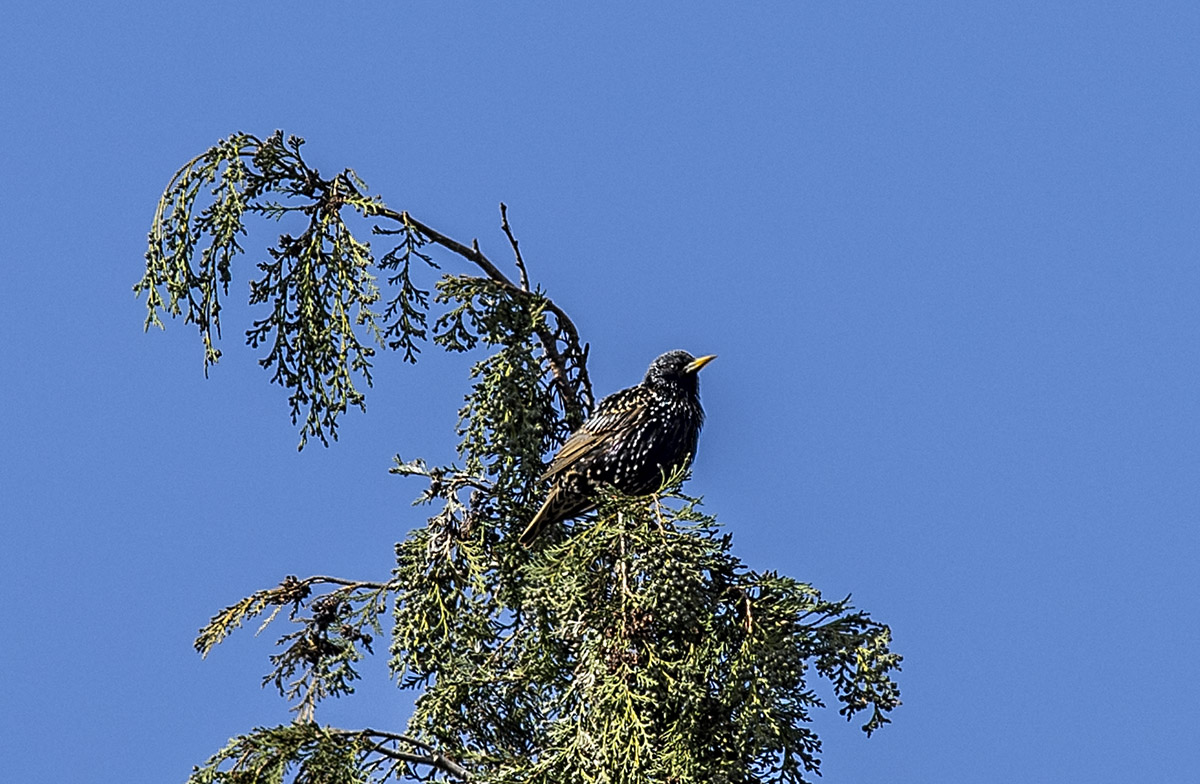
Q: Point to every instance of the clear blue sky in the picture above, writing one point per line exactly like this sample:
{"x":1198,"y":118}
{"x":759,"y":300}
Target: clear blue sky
{"x":947,"y":253}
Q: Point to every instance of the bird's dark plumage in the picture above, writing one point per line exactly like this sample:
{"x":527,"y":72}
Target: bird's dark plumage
{"x":635,"y":438}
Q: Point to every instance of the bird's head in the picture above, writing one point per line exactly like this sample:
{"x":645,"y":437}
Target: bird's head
{"x":676,"y":369}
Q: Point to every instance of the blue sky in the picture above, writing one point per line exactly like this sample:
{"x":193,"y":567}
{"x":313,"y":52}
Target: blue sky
{"x":947,"y":253}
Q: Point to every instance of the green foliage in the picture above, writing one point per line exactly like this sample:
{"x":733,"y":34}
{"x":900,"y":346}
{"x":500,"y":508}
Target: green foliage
{"x":636,"y":649}
{"x":630,"y":646}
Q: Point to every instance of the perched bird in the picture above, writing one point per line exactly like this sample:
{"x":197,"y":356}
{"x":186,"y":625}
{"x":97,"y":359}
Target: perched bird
{"x":635,"y":438}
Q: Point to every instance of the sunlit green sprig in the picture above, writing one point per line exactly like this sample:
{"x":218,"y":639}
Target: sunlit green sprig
{"x":269,"y":755}
{"x":509,"y":419}
{"x":405,"y":316}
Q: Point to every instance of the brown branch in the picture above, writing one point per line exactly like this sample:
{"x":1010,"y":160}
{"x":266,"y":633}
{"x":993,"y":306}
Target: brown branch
{"x":474,"y":255}
{"x":432,"y":757}
{"x":576,"y":396}
{"x":346,"y":583}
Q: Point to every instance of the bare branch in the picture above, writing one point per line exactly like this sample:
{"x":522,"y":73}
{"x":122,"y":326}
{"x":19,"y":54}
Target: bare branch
{"x":352,"y":584}
{"x":472,"y":254}
{"x":575,"y":394}
{"x":431,"y":757}
{"x":515,"y":245}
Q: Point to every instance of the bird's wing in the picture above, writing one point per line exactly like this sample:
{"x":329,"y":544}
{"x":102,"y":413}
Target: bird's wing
{"x":613,"y":415}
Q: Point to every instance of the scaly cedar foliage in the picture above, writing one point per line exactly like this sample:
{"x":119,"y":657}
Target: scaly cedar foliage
{"x":629,"y":646}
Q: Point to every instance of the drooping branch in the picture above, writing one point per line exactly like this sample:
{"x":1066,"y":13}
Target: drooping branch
{"x":320,"y":286}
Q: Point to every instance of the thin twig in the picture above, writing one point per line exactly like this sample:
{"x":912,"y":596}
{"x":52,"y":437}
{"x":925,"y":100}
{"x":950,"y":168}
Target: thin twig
{"x":320,"y":578}
{"x":515,"y":245}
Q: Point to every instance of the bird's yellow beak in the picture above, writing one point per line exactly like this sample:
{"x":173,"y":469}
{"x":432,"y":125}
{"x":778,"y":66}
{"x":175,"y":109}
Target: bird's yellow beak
{"x":698,"y":363}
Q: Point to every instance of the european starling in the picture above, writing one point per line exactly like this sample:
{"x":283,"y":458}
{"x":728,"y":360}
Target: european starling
{"x":635,"y":438}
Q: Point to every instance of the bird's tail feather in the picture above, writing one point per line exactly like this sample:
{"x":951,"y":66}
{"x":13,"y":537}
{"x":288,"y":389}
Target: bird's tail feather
{"x":540,"y":519}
